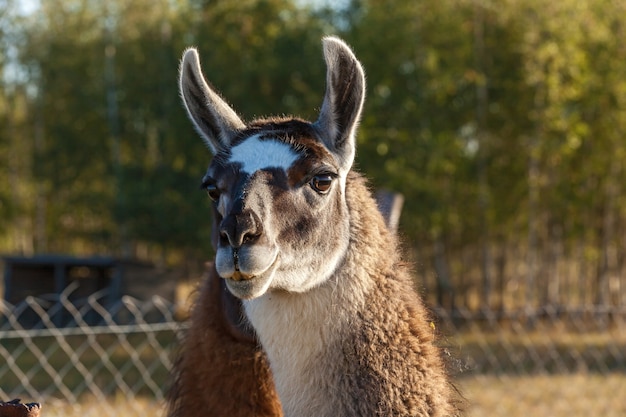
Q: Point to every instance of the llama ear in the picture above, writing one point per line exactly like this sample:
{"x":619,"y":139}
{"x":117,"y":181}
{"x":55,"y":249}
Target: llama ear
{"x":343,"y":101}
{"x":214,"y":119}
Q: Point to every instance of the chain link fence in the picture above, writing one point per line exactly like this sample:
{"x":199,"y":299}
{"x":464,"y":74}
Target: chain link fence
{"x":547,"y":362}
{"x":98,"y":356}
{"x":89,"y":356}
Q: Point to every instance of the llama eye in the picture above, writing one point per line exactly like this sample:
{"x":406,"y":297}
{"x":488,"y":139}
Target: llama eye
{"x":321,"y":183}
{"x":212,"y":191}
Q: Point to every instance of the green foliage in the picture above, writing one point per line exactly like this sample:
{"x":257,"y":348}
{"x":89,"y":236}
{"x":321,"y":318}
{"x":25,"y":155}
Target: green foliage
{"x":500,"y":122}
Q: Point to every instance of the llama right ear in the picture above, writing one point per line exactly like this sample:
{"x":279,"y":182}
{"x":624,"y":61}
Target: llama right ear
{"x":214,"y":119}
{"x":343,"y":101}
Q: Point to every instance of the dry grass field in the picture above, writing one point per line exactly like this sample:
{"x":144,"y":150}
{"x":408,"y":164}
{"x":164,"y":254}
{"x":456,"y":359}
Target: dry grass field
{"x":113,"y":407}
{"x":574,"y":395}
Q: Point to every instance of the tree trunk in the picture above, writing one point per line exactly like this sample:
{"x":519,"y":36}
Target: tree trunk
{"x":482,"y":101}
{"x":445,"y":295}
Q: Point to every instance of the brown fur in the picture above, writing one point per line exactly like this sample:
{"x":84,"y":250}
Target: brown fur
{"x":220,"y":370}
{"x":220,"y":366}
{"x":370,"y":349}
{"x":394,"y":367}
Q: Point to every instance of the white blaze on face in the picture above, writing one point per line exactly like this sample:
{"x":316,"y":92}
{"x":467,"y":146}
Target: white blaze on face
{"x":254,"y":154}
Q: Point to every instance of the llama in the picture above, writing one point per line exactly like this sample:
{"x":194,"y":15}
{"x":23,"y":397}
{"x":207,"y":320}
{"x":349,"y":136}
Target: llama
{"x":300,"y":240}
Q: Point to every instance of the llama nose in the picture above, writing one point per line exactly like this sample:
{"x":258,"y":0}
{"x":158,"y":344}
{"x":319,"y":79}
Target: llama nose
{"x":239,"y":228}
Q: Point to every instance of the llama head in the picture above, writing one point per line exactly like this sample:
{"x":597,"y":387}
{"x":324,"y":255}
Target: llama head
{"x":278,"y":185}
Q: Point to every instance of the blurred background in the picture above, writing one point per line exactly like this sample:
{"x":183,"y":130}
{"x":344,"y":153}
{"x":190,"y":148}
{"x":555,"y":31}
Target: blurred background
{"x":500,"y":122}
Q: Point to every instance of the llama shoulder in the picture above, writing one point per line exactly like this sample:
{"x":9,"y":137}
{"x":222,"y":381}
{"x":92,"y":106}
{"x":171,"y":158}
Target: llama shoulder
{"x":394,"y":355}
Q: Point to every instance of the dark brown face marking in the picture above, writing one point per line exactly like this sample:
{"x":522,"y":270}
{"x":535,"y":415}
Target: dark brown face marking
{"x":316,"y":160}
{"x":310,"y":155}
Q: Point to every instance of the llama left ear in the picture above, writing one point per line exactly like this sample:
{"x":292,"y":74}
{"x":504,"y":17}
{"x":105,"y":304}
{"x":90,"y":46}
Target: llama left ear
{"x":343,"y":101}
{"x":216,"y":122}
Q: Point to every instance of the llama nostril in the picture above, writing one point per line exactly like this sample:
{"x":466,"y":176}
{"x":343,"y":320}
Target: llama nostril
{"x":224,"y":238}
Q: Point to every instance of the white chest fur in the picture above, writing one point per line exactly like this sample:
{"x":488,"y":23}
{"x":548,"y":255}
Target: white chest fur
{"x":301,"y":334}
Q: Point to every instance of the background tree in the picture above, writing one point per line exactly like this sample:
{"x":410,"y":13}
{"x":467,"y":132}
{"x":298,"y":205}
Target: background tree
{"x":500,"y":122}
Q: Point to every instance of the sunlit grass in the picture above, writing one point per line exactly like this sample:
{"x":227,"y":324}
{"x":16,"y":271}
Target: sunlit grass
{"x":574,"y":395}
{"x":93,"y":407}
{"x":546,"y":395}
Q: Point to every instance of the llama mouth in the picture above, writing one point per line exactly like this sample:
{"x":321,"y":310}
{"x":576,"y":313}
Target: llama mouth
{"x":247,"y":289}
{"x":239,"y":276}
{"x":251,"y":285}
{"x":246,"y":262}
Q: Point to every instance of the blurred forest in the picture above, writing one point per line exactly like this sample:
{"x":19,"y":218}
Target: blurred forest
{"x":502,"y":123}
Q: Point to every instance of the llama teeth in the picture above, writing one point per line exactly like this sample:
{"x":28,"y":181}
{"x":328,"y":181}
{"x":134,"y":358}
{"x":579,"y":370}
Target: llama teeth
{"x":238,"y":276}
